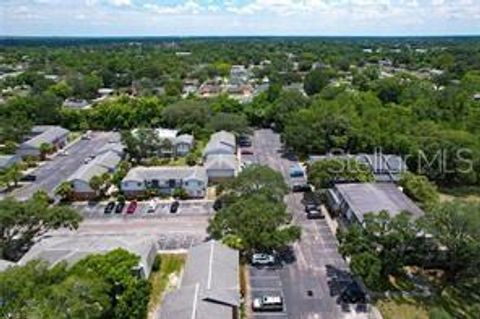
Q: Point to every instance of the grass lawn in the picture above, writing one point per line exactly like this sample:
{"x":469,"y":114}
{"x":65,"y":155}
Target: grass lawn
{"x":161,"y":280}
{"x":466,"y":193}
{"x":402,"y":308}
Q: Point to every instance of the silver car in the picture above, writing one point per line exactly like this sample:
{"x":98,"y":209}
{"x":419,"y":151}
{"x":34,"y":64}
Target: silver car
{"x":263,"y":259}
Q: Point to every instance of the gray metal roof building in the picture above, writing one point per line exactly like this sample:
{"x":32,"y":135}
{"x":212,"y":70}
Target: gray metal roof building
{"x":50,"y":135}
{"x":220,"y":143}
{"x":142,"y":173}
{"x":210,"y":285}
{"x":356,"y":200}
{"x":73,"y":248}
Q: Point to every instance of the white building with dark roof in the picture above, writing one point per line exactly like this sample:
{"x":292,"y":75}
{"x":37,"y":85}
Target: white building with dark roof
{"x":53,"y":135}
{"x":165,"y":179}
{"x":210,"y":286}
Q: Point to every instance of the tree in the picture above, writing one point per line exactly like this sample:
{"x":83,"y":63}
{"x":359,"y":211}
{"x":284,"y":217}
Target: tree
{"x":22,"y":222}
{"x":13,"y":174}
{"x":324,"y":173}
{"x":64,"y":190}
{"x":420,"y":189}
{"x":45,"y":148}
{"x":236,"y":123}
{"x":96,"y":183}
{"x":316,"y":80}
{"x":256,"y":222}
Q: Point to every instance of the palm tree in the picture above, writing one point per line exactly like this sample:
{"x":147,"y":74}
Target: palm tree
{"x":45,"y":148}
{"x":64,"y":190}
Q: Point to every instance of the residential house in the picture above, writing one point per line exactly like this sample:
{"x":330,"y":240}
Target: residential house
{"x":183,"y":144}
{"x":53,"y":135}
{"x":385,"y":167}
{"x":221,"y":142}
{"x":221,"y":166}
{"x":165,"y":179}
{"x":56,"y":249}
{"x":354,"y":201}
{"x":77,"y":104}
{"x":104,"y":163}
{"x":210,"y":89}
{"x":7,"y":161}
{"x":210,"y":286}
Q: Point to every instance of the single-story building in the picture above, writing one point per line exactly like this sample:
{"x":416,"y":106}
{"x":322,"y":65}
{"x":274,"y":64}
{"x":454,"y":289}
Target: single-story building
{"x":7,"y":161}
{"x":104,"y":163}
{"x":221,"y":166}
{"x":53,"y":135}
{"x":221,"y":142}
{"x":354,"y":201}
{"x":165,"y":179}
{"x":116,"y":147}
{"x":73,"y":248}
{"x":385,"y":167}
{"x":210,"y":286}
{"x":183,"y":144}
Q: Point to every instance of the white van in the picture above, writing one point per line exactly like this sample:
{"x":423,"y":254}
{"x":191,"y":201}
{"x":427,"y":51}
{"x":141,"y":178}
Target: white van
{"x":268,"y":303}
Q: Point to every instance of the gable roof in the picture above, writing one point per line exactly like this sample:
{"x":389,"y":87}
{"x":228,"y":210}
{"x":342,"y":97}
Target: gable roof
{"x":103,"y":163}
{"x":221,"y":162}
{"x":50,"y":135}
{"x":142,"y":173}
{"x":8,"y":160}
{"x":220,"y":141}
{"x":210,"y":285}
{"x":184,"y":138}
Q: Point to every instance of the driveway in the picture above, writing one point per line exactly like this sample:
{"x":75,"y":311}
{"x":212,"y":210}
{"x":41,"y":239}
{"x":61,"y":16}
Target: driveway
{"x":57,"y":170}
{"x":307,"y":281}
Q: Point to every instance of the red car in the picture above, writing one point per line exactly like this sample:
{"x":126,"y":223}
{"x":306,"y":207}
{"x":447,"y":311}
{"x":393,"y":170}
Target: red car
{"x":132,"y":207}
{"x":246,"y":151}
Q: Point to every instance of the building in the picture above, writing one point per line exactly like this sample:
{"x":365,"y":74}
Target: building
{"x":104,"y":163}
{"x":220,"y":143}
{"x":184,"y":143}
{"x":76,"y":104}
{"x":385,"y":167}
{"x":53,"y":135}
{"x":354,"y":201}
{"x":73,"y":248}
{"x":165,"y":179}
{"x":209,"y":288}
{"x":221,"y":166}
{"x":7,"y":161}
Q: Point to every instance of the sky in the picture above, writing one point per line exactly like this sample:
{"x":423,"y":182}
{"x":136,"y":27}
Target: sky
{"x":239,"y":17}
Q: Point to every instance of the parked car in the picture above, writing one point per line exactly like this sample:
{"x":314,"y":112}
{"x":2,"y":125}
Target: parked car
{"x":310,"y":206}
{"x":315,"y":214}
{"x":64,"y":153}
{"x":262,"y":259}
{"x":300,"y":187}
{"x":268,"y":303}
{"x":29,"y":178}
{"x":174,"y":207}
{"x":217,"y":205}
{"x":246,"y":151}
{"x":244,"y":140}
{"x":152,"y":206}
{"x":109,"y":208}
{"x":132,"y":207}
{"x":119,"y":208}
{"x":353,"y":293}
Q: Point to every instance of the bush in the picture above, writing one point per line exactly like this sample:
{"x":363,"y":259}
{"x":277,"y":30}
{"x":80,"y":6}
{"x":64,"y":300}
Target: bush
{"x":180,"y":193}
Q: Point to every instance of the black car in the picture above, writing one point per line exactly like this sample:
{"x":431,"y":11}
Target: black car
{"x":353,"y":293}
{"x":315,"y":214}
{"x":119,"y":208}
{"x":174,"y":207}
{"x":298,"y":187}
{"x":109,"y":208}
{"x":29,"y":178}
{"x":245,"y":140}
{"x":311,"y":207}
{"x":217,"y":205}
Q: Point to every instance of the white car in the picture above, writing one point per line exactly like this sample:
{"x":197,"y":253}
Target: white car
{"x":263,"y":259}
{"x":268,"y":303}
{"x":64,"y":153}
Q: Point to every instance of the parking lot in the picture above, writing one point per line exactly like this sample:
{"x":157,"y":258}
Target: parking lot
{"x":187,"y":208}
{"x":266,"y":281}
{"x":59,"y":168}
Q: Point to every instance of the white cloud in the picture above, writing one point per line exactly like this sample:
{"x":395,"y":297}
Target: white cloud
{"x":189,"y":6}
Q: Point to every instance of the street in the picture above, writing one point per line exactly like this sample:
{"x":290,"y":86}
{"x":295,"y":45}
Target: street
{"x":55,"y":171}
{"x":308,"y":283}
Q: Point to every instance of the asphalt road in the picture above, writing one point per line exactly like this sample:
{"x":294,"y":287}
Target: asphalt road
{"x":55,"y":171}
{"x":310,"y":283}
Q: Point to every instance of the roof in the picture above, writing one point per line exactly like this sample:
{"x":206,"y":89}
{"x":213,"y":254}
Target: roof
{"x":165,"y":133}
{"x":8,"y":160}
{"x":116,"y":147}
{"x":184,"y":138}
{"x":106,"y":162}
{"x":4,"y":264}
{"x":50,"y":135}
{"x":210,"y":285}
{"x":221,"y":162}
{"x":366,"y":198}
{"x":385,"y":167}
{"x":221,"y":140}
{"x":73,"y":248}
{"x":142,"y":173}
